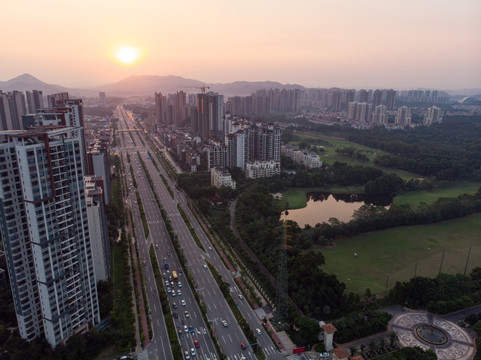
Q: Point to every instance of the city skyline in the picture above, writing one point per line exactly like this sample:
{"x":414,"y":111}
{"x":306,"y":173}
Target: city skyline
{"x":395,"y":44}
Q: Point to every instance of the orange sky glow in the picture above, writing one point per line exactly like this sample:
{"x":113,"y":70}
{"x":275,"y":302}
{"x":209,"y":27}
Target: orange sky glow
{"x":315,"y":43}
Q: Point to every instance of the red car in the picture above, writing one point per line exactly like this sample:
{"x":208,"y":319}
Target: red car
{"x":196,"y":343}
{"x":243,"y":346}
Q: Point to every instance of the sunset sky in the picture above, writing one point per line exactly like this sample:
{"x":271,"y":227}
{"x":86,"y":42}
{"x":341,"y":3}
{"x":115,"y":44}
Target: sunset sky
{"x":315,"y":43}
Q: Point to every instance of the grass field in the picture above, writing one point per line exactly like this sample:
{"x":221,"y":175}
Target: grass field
{"x":392,"y":255}
{"x":429,"y":197}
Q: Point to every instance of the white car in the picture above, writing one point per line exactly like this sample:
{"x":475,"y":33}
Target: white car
{"x":192,"y":351}
{"x":258,"y":331}
{"x":182,"y":302}
{"x":180,"y":284}
{"x":205,"y":267}
{"x":225,"y":323}
{"x":173,"y":292}
{"x":168,"y":289}
{"x":179,"y":293}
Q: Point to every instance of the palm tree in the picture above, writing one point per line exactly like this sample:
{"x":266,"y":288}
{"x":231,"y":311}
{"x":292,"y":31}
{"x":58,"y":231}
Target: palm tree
{"x":353,"y":350}
{"x":392,"y":339}
{"x":372,"y":347}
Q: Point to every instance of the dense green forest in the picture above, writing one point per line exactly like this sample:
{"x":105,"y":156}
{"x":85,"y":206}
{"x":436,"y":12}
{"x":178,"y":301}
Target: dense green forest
{"x":450,"y":150}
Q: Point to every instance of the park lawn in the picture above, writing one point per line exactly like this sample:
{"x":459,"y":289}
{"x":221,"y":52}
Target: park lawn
{"x":429,"y":197}
{"x":392,"y":255}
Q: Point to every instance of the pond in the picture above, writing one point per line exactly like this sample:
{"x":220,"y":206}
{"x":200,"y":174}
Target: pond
{"x":323,"y":206}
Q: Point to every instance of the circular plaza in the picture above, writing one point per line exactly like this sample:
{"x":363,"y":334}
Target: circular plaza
{"x":446,"y":339}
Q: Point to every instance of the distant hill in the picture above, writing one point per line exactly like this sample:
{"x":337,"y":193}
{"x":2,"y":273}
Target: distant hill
{"x":465,"y":92}
{"x":148,"y":84}
{"x":244,"y":88}
{"x":27,"y":82}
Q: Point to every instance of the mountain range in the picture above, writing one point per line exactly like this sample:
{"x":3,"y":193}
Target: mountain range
{"x":145,"y":85}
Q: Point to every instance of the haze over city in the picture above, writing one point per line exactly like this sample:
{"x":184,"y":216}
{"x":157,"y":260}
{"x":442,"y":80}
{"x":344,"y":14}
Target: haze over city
{"x":377,"y":43}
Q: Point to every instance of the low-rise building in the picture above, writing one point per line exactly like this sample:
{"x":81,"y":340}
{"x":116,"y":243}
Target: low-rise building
{"x":262,"y":169}
{"x":220,"y":177}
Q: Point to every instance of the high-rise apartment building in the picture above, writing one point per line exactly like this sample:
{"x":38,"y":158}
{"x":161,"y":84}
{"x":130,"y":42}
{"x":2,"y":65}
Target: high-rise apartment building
{"x":403,"y":116}
{"x":359,"y":111}
{"x":376,"y":98}
{"x":98,"y":227}
{"x":160,"y":108}
{"x":45,"y":228}
{"x":237,"y":149}
{"x":180,"y":108}
{"x":34,"y":101}
{"x":210,"y":110}
{"x":6,"y":122}
{"x":363,"y":96}
{"x":433,"y":116}
{"x":336,"y":101}
{"x":390,"y":99}
{"x":379,"y":115}
{"x":12,"y":108}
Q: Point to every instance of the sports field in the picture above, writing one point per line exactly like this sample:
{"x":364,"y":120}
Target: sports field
{"x":369,"y":260}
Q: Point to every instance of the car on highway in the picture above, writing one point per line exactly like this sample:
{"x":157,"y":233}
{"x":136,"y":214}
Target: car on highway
{"x":225,"y":323}
{"x":156,"y":245}
{"x":182,"y":302}
{"x":181,"y":334}
{"x":241,"y":297}
{"x":186,"y":313}
{"x":196,"y":343}
{"x":168,"y":290}
{"x":176,"y":316}
{"x":179,"y":292}
{"x":179,"y":284}
{"x":186,"y":329}
{"x":192,"y":351}
{"x":243,"y":346}
{"x":173,"y":293}
{"x":191,"y":329}
{"x":186,"y":355}
{"x":166,"y":282}
{"x":174,"y":305}
{"x":205,"y":267}
{"x":258,"y":331}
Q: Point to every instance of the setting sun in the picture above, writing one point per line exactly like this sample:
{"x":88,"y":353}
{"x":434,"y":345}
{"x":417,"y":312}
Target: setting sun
{"x":127,"y":54}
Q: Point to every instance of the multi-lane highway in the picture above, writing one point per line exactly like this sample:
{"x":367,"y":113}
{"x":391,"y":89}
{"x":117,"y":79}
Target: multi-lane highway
{"x":192,"y":329}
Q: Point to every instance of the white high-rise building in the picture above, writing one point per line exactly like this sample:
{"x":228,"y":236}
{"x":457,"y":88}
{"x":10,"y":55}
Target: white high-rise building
{"x":45,"y":228}
{"x":403,"y":116}
{"x":379,"y":115}
{"x":434,"y":115}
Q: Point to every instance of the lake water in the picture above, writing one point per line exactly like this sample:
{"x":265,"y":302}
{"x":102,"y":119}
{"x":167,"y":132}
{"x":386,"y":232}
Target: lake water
{"x":323,"y":206}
